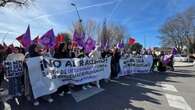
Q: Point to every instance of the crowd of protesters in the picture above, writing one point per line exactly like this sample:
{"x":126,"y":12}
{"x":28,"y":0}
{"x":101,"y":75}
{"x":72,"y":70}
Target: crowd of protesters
{"x":21,"y":85}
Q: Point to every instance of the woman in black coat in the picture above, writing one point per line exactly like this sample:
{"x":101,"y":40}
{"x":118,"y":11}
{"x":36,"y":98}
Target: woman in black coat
{"x":115,"y":67}
{"x":62,"y":52}
{"x":35,"y":51}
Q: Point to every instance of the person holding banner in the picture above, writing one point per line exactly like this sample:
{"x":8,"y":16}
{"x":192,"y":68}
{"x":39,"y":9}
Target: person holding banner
{"x":60,"y":54}
{"x":70,"y":50}
{"x":35,"y":51}
{"x":155,"y":61}
{"x":14,"y":71}
{"x":96,"y":54}
{"x":83,"y":55}
{"x":115,"y":67}
{"x":161,"y":67}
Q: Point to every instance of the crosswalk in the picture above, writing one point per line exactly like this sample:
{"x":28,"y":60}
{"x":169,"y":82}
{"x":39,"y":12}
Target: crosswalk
{"x":171,"y":94}
{"x":175,"y":101}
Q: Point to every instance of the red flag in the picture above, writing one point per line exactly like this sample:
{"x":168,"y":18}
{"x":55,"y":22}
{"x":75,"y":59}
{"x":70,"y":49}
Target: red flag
{"x":60,"y":39}
{"x":131,"y":41}
{"x":36,"y":40}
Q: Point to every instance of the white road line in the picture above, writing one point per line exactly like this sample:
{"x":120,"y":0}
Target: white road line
{"x":143,"y":80}
{"x":121,"y":83}
{"x":169,"y":87}
{"x":177,"y":102}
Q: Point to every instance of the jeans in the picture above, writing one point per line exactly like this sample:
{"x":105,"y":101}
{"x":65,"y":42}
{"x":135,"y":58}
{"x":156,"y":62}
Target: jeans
{"x":1,"y":78}
{"x":14,"y":86}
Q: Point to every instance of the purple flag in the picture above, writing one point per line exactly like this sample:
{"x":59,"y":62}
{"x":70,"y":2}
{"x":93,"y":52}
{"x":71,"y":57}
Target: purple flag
{"x":104,"y":44}
{"x":26,"y":38}
{"x":48,"y":39}
{"x":167,"y":59}
{"x":174,"y":51}
{"x":89,"y":45}
{"x":120,"y":45}
{"x":79,"y":39}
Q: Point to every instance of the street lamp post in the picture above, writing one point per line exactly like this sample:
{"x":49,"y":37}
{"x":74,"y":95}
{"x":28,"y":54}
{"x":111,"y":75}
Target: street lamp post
{"x":74,"y":5}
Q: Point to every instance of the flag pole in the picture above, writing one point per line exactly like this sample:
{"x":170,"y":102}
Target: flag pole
{"x":4,"y":37}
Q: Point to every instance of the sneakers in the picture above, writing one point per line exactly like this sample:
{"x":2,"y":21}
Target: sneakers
{"x":61,"y":94}
{"x":36,"y":103}
{"x":89,"y":86}
{"x":50,"y":100}
{"x":69,"y":92}
{"x":84,"y":88}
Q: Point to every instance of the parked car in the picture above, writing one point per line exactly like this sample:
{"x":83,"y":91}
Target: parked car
{"x":180,"y":58}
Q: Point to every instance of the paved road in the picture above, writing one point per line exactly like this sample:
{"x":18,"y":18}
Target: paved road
{"x":154,"y":91}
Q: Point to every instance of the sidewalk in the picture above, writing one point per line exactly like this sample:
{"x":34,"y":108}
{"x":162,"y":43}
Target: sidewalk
{"x":184,"y":64}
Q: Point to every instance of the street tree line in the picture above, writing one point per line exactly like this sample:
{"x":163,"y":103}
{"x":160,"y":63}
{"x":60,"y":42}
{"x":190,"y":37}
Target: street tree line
{"x":106,"y":33}
{"x":179,"y":31}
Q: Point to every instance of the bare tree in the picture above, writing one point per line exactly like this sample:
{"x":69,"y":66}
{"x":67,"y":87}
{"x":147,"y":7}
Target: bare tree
{"x":78,"y":27}
{"x":3,"y":3}
{"x":111,"y":34}
{"x":107,"y":34}
{"x":91,"y":28}
{"x":179,"y":31}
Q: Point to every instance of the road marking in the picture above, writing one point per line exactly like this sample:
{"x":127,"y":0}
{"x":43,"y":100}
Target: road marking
{"x":85,"y":94}
{"x":177,"y":102}
{"x":121,"y":83}
{"x":169,"y":87}
{"x":143,"y":80}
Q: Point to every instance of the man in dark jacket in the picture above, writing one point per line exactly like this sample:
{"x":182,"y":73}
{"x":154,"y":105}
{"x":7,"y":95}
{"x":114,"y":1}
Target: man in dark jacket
{"x":2,"y":58}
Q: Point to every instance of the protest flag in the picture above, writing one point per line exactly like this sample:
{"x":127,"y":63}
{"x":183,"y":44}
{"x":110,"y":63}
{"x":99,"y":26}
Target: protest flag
{"x":20,"y":39}
{"x":36,"y":40}
{"x":25,"y":39}
{"x":48,"y":39}
{"x":59,"y":39}
{"x":131,"y":41}
{"x":174,"y":51}
{"x":89,"y":45}
{"x":120,"y":45}
{"x":79,"y":38}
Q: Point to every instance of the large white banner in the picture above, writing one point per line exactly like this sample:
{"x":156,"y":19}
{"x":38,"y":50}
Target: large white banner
{"x":48,"y":74}
{"x":135,"y":64}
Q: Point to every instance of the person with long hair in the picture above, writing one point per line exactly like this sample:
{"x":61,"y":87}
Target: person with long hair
{"x":96,"y":54}
{"x":34,"y":51}
{"x":14,"y":78}
{"x":63,"y":52}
